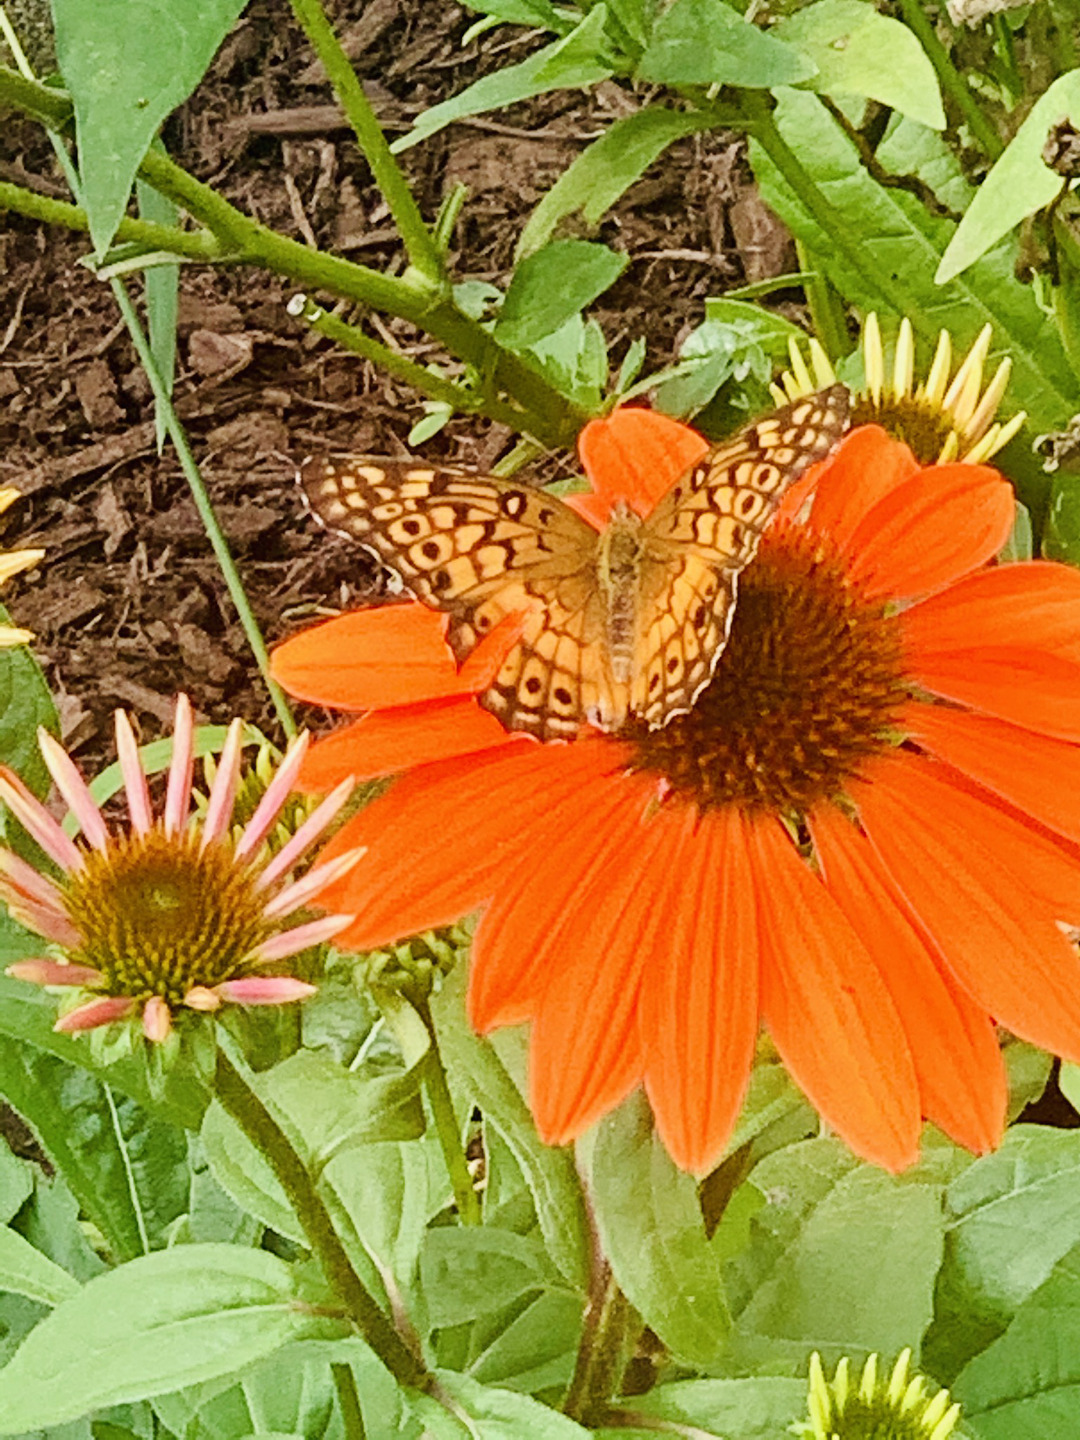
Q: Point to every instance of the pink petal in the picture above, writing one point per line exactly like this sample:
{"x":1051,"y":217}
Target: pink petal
{"x":315,"y":881}
{"x":156,"y":1020}
{"x":266,"y":990}
{"x":95,"y":1013}
{"x":306,"y":836}
{"x":138,"y":796}
{"x":30,"y":882}
{"x":73,"y":788}
{"x":44,"y":920}
{"x":200,"y":997}
{"x":223,"y":792}
{"x":300,"y":937}
{"x":178,"y":793}
{"x":37,"y":821}
{"x":274,"y":797}
{"x":44,"y":971}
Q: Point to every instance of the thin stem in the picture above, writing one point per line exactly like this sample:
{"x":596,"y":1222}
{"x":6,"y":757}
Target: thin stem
{"x":244,"y":1106}
{"x":418,"y":240}
{"x":218,"y":543}
{"x":189,"y":244}
{"x":826,"y":308}
{"x":611,"y":1331}
{"x":446,"y":1126}
{"x":51,"y":107}
{"x":352,"y":1417}
{"x":952,"y":82}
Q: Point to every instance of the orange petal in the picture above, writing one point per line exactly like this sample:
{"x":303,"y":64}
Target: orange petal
{"x":387,"y":741}
{"x":953,"y":1045}
{"x":930,"y":529}
{"x":1027,"y":687}
{"x":1039,"y":775}
{"x":1033,"y":604}
{"x":586,"y":1049}
{"x":698,"y":1017}
{"x":829,"y":1013}
{"x":866,"y":466}
{"x":988,"y":891}
{"x":637,"y":455}
{"x":370,"y":659}
{"x":517,"y":943}
{"x":438,"y":840}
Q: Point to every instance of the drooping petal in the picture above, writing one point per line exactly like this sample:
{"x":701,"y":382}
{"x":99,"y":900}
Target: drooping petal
{"x":953,"y":1045}
{"x":929,"y":530}
{"x":436,"y":841}
{"x":865,"y":467}
{"x":988,"y":889}
{"x":586,"y":1047}
{"x":386,"y":741}
{"x":37,"y":821}
{"x":74,"y":789}
{"x":273,"y":798}
{"x":637,"y":455}
{"x":266,"y":990}
{"x":698,"y":1017}
{"x":135,"y":787}
{"x":558,"y":858}
{"x":1039,"y":775}
{"x":94,"y":1013}
{"x":43,"y":971}
{"x":827,"y":1009}
{"x":25,"y":880}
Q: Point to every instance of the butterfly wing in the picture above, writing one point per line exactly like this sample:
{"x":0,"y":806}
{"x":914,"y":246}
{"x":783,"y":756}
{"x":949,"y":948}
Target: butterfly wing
{"x":702,"y":533}
{"x":478,"y":549}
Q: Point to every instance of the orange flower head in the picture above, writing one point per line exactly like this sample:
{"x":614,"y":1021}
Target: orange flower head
{"x":864,"y":834}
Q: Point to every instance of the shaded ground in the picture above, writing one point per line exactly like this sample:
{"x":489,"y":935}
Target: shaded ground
{"x":129,"y":605}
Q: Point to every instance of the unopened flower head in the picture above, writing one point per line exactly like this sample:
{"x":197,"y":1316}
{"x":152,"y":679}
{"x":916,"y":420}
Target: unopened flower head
{"x":175,"y":910}
{"x":897,"y":1407}
{"x":11,"y":563}
{"x":940,"y":418}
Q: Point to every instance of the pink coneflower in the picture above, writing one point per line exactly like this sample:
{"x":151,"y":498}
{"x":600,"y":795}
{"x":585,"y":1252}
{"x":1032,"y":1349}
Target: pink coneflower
{"x":173,"y":910}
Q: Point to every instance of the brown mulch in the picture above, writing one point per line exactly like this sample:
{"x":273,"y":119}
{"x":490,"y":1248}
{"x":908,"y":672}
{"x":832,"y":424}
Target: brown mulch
{"x":129,"y":605}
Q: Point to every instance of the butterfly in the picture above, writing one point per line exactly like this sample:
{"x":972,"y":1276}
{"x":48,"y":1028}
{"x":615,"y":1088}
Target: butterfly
{"x":625,"y":622}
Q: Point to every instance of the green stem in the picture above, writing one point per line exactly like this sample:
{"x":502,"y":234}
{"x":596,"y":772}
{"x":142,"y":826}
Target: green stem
{"x":241,"y":1102}
{"x":437,"y":387}
{"x":826,"y":307}
{"x":218,"y":543}
{"x":446,"y":1126}
{"x":419,"y":243}
{"x":51,"y":107}
{"x":352,"y":1417}
{"x":611,"y":1331}
{"x":189,"y":244}
{"x":952,"y":82}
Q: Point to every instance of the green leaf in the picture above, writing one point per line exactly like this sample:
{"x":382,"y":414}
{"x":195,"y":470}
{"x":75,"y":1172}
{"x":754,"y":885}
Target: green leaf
{"x":478,"y":1074}
{"x":1011,"y":1216}
{"x":466,"y":1272}
{"x":242,"y":1172}
{"x":881,"y":251}
{"x":162,"y":287}
{"x":16,"y":1183}
{"x":127,"y":65}
{"x":25,"y":703}
{"x":169,"y":1319}
{"x":537,"y":1349}
{"x":128,"y":1170}
{"x":381,"y":1193}
{"x":754,"y":1409}
{"x":1026,"y":1385}
{"x":520,"y":12}
{"x":491,"y":1414}
{"x":705,"y":42}
{"x":605,"y":170}
{"x":650,"y":1225}
{"x":551,"y":286}
{"x":24,"y":1270}
{"x":842,"y":1254}
{"x":859,"y":52}
{"x":1019,"y":184}
{"x":579,"y":59}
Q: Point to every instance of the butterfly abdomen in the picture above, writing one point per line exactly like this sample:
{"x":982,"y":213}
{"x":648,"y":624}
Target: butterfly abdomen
{"x":618,"y":574}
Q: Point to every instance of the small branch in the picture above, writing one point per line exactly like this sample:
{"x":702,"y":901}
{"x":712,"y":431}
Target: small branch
{"x":952,"y":82}
{"x":189,"y":244}
{"x":419,"y":243}
{"x":352,"y":1417}
{"x":245,"y":1107}
{"x":51,"y":107}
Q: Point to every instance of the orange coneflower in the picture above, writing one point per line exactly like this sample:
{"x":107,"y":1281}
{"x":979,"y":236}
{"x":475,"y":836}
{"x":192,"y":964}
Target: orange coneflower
{"x":862,"y":835}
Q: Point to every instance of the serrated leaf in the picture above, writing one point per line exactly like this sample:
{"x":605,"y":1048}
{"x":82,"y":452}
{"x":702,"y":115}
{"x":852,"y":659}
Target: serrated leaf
{"x":706,"y":42}
{"x":857,"y":51}
{"x":1019,"y":183}
{"x":173,"y":1318}
{"x":127,"y":65}
{"x":606,"y":170}
{"x":24,"y":1270}
{"x":577,"y":60}
{"x":650,"y":1225}
{"x":552,"y":285}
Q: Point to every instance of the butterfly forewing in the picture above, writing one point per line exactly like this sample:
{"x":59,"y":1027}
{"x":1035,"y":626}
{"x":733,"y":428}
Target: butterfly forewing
{"x":600,"y":641}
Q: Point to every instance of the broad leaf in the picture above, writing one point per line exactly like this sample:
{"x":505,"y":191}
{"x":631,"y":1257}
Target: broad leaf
{"x":754,"y":1409}
{"x":491,"y":1414}
{"x":24,"y":1270}
{"x":25,"y":703}
{"x":860,"y":52}
{"x":169,"y":1319}
{"x":551,"y":286}
{"x":127,"y":65}
{"x":467,"y":1272}
{"x":537,"y":1349}
{"x":706,"y":42}
{"x":1019,"y":184}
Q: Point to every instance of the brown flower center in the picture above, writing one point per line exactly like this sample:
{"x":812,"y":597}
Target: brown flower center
{"x":157,"y":915}
{"x":921,"y":426}
{"x":807,"y":687}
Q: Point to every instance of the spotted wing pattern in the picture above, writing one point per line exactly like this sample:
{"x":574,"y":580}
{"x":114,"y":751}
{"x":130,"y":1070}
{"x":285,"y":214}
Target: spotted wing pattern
{"x":631,"y":621}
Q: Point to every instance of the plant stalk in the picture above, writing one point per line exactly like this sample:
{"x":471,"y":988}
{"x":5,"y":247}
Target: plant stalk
{"x":447,"y":1127}
{"x":612,"y":1328}
{"x":952,"y":82}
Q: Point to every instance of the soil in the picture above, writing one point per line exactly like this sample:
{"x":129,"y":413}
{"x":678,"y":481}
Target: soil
{"x":129,"y":605}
